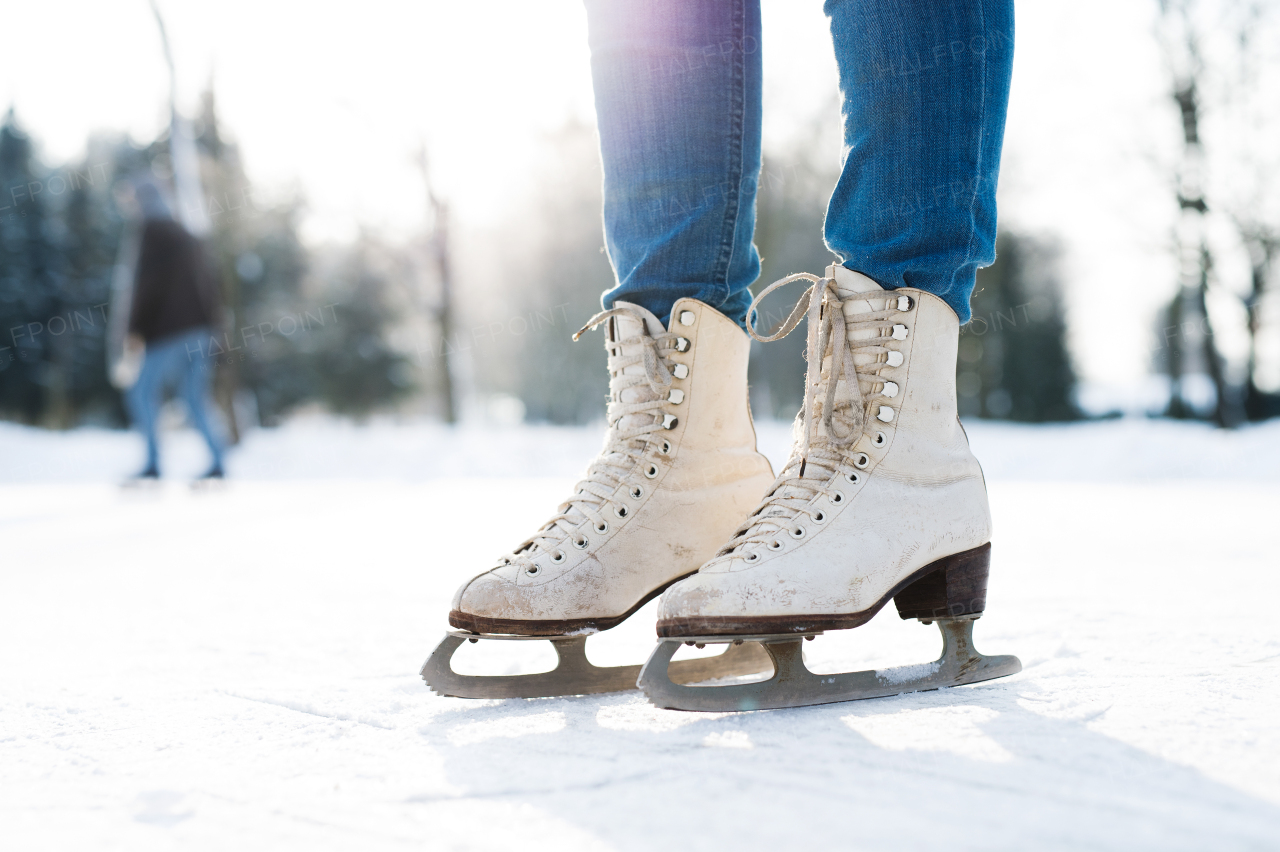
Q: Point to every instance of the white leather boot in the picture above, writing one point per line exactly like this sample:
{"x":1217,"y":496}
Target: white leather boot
{"x":678,"y":473}
{"x":881,"y":496}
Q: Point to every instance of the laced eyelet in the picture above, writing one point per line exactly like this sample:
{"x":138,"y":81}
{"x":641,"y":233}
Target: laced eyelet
{"x":680,"y":371}
{"x":666,"y":447}
{"x":752,"y":557}
{"x":905,"y":303}
{"x":775,"y":545}
{"x":899,"y":332}
{"x":620,"y":512}
{"x":651,"y":471}
{"x":557,"y":557}
{"x":602,"y":527}
{"x":861,"y":460}
{"x":885,"y":415}
{"x":881,"y":439}
{"x":532,"y":570}
{"x":837,"y":498}
{"x":670,"y":421}
{"x":637,"y":493}
{"x":581,"y":542}
{"x":894,"y":358}
{"x":798,"y":532}
{"x":506,"y":561}
{"x":819,"y":517}
{"x":682,"y":344}
{"x":851,"y":476}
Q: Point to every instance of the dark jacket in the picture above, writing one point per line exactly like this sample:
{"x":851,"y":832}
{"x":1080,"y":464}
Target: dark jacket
{"x":174,"y":288}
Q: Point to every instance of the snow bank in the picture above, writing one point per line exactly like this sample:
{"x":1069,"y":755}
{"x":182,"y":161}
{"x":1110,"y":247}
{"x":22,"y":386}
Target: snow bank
{"x":1125,"y":450}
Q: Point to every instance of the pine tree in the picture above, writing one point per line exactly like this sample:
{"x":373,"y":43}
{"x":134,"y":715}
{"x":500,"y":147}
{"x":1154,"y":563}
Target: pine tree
{"x":1013,"y":358}
{"x":26,"y":277}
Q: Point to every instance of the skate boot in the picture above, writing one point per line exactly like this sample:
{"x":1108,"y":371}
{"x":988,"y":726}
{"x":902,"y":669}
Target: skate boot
{"x":881,"y":498}
{"x":678,"y":473}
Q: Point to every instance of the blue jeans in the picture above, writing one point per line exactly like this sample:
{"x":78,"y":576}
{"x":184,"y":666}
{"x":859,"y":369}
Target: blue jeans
{"x":925,"y":87}
{"x":179,"y":361}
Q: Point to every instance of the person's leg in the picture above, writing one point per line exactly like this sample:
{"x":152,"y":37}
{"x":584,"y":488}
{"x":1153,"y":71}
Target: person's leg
{"x":925,"y":89}
{"x":677,"y":86}
{"x":143,"y":400}
{"x":881,"y":497}
{"x":678,"y":102}
{"x":196,"y":374}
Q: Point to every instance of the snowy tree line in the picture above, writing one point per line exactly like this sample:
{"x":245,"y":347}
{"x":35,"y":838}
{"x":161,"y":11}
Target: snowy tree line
{"x":352,"y":328}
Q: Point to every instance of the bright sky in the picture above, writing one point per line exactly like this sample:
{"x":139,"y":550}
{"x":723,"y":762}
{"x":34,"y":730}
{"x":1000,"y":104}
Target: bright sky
{"x":336,"y":98}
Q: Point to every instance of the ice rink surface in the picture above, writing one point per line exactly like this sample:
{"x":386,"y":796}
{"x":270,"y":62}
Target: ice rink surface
{"x":238,"y":668}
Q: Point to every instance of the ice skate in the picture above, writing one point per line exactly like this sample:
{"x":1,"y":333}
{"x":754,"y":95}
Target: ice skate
{"x":147,"y":479}
{"x":880,"y":499}
{"x":678,"y":473}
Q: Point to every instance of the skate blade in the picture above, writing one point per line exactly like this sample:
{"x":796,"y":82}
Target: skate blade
{"x":793,"y":685}
{"x":574,"y":674}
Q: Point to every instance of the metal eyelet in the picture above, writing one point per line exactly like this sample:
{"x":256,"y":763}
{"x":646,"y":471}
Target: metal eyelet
{"x":819,"y":517}
{"x":861,"y":460}
{"x":687,"y":318}
{"x":905,"y":303}
{"x":670,"y":421}
{"x":899,"y":332}
{"x":651,"y":471}
{"x":602,"y":527}
{"x":894,"y":358}
{"x":637,"y":493}
{"x":680,"y":371}
{"x":885,"y":415}
{"x":837,"y":498}
{"x":557,"y":557}
{"x":852,"y":477}
{"x":532,"y":570}
{"x":682,"y":344}
{"x":890,"y":389}
{"x":676,"y":396}
{"x":775,"y":545}
{"x":798,"y":532}
{"x":620,"y":512}
{"x":666,"y":447}
{"x":581,"y":542}
{"x":881,"y":439}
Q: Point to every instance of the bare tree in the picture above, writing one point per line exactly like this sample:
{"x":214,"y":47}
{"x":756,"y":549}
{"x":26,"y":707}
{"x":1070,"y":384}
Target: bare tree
{"x":1263,"y":244}
{"x":439,"y":250}
{"x":1194,"y":345}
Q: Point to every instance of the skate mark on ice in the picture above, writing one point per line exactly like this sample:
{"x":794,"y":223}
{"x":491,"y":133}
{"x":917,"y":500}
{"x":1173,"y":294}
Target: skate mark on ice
{"x":308,"y":710}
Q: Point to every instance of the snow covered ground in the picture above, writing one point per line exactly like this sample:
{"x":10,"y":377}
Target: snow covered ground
{"x":238,"y":668}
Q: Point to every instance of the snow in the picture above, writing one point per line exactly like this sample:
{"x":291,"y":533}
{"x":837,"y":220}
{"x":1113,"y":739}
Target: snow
{"x":904,"y":674}
{"x":238,"y":667}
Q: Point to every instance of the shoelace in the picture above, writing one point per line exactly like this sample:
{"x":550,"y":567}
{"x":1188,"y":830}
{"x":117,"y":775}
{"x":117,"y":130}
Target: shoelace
{"x":817,"y":467}
{"x":625,"y":443}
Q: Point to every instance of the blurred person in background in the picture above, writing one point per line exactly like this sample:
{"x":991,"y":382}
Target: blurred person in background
{"x":881,"y":497}
{"x":175,"y":307}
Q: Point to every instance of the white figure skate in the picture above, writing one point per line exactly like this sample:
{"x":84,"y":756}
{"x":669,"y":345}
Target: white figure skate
{"x":881,"y":498}
{"x":678,"y":473}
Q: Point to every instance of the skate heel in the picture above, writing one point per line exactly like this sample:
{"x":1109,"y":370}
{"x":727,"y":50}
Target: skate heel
{"x":953,"y":586}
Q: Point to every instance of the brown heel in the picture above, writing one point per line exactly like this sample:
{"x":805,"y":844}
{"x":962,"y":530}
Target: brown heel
{"x":956,"y":585}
